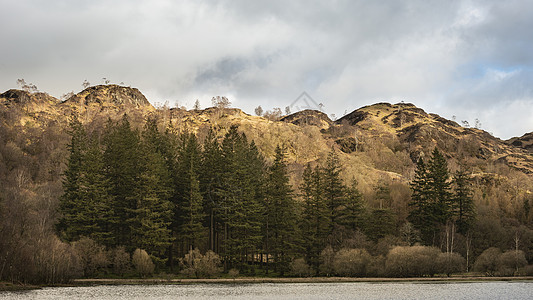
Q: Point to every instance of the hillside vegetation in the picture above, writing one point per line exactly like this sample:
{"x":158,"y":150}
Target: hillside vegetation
{"x":103,"y":175}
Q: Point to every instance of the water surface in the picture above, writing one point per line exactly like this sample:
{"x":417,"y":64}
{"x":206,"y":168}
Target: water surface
{"x":358,"y":290}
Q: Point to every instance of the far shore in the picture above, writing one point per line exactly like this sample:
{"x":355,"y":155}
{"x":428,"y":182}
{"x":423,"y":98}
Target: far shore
{"x":246,"y":280}
{"x":7,"y":286}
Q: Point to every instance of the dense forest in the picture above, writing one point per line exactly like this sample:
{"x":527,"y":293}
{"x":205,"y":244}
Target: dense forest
{"x":125,"y":197}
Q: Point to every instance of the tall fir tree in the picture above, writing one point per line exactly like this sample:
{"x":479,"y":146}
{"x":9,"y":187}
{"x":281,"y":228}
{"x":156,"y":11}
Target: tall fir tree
{"x":280,"y":226}
{"x":241,"y":209}
{"x":333,"y":190}
{"x":355,"y":210}
{"x":71,"y":206}
{"x":463,"y":204}
{"x":152,"y":214}
{"x":315,"y":224}
{"x":122,"y":160}
{"x":210,"y":177}
{"x":190,"y":211}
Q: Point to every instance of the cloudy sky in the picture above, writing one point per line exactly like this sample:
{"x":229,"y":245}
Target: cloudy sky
{"x":468,"y":59}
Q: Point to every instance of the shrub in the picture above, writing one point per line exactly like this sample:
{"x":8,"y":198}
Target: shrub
{"x":121,"y":261}
{"x":411,"y":261}
{"x":351,"y":262}
{"x":326,"y":261}
{"x":376,"y":266}
{"x":233,"y":273}
{"x":300,"y":268}
{"x":510,"y":261}
{"x":93,"y":257}
{"x":528,"y":270}
{"x":142,"y":262}
{"x":487,"y":261}
{"x":449,"y":263}
{"x":198,"y":265}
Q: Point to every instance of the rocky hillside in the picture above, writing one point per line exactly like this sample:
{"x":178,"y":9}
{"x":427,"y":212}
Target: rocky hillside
{"x":379,"y":142}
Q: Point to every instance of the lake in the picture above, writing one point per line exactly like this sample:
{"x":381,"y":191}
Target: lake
{"x":357,"y":290}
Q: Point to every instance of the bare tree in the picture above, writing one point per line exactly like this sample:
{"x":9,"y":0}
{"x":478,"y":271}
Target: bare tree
{"x":288,"y":110}
{"x":259,"y":111}
{"x":220,"y":102}
{"x":196,"y":105}
{"x":105,"y":80}
{"x":85,"y":84}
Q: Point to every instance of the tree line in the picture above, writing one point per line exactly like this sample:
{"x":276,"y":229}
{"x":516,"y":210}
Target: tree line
{"x":168,"y":193}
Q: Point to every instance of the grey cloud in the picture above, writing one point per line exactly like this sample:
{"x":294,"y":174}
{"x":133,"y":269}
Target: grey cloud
{"x":439,"y":55}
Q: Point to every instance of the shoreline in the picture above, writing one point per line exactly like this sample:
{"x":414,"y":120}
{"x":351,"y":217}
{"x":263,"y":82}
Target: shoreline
{"x":7,"y":286}
{"x":252,"y":280}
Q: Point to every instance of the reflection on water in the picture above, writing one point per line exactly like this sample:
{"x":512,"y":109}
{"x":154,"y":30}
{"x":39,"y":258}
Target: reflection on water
{"x":455,"y":290}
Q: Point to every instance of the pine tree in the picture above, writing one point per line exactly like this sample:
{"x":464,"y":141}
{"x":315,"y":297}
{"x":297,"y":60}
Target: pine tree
{"x":463,"y":205}
{"x":333,"y":191}
{"x":96,"y":197}
{"x":152,"y":214}
{"x":438,"y":180}
{"x":240,"y":192}
{"x":315,"y":217}
{"x":431,"y":199}
{"x":281,"y":216}
{"x":122,"y":160}
{"x":210,"y":177}
{"x":70,"y":205}
{"x":355,"y":210}
{"x":190,"y":203}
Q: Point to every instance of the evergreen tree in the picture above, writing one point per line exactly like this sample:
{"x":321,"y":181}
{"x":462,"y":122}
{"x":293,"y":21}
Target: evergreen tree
{"x":463,"y":205}
{"x":210,"y":177}
{"x":355,"y":210}
{"x":241,"y":209}
{"x":71,"y":205}
{"x":122,"y":160}
{"x":431,"y":199}
{"x":333,"y":191}
{"x":281,"y":216}
{"x":96,"y":197}
{"x":439,"y":187}
{"x":315,"y":217}
{"x":152,"y":214}
{"x":190,"y":202}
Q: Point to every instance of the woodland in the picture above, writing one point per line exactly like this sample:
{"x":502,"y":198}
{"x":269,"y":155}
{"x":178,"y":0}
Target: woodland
{"x":134,"y":195}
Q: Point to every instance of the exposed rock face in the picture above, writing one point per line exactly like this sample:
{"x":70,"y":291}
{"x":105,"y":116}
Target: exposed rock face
{"x":20,"y":97}
{"x":309,"y":117}
{"x":524,"y":142}
{"x":111,"y":95}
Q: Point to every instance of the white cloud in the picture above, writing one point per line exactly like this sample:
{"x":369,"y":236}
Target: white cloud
{"x":449,"y":57}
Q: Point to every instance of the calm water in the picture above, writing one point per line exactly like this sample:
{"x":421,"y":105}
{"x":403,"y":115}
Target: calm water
{"x":473,"y":290}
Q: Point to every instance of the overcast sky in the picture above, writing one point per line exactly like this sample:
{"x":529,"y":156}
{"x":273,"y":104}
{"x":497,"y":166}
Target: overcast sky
{"x":469,"y":59}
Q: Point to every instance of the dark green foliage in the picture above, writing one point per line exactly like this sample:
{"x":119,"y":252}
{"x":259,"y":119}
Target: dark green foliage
{"x":334,"y":191}
{"x":189,"y":206}
{"x":241,"y":193}
{"x":432,"y":200}
{"x":463,"y":204}
{"x":354,"y":216}
{"x":315,"y":224}
{"x":280,"y":226}
{"x":381,"y":222}
{"x":122,"y":159}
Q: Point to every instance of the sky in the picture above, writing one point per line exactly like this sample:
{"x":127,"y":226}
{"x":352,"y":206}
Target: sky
{"x":464,"y":60}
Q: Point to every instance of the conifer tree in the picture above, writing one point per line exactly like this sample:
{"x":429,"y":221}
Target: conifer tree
{"x":190,"y":202}
{"x":463,"y":205}
{"x":152,"y":214}
{"x":333,"y":190}
{"x":71,"y":205}
{"x":241,"y":210}
{"x":281,"y":230}
{"x":355,"y":210}
{"x":122,"y":159}
{"x":315,"y":216}
{"x":210,"y":177}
